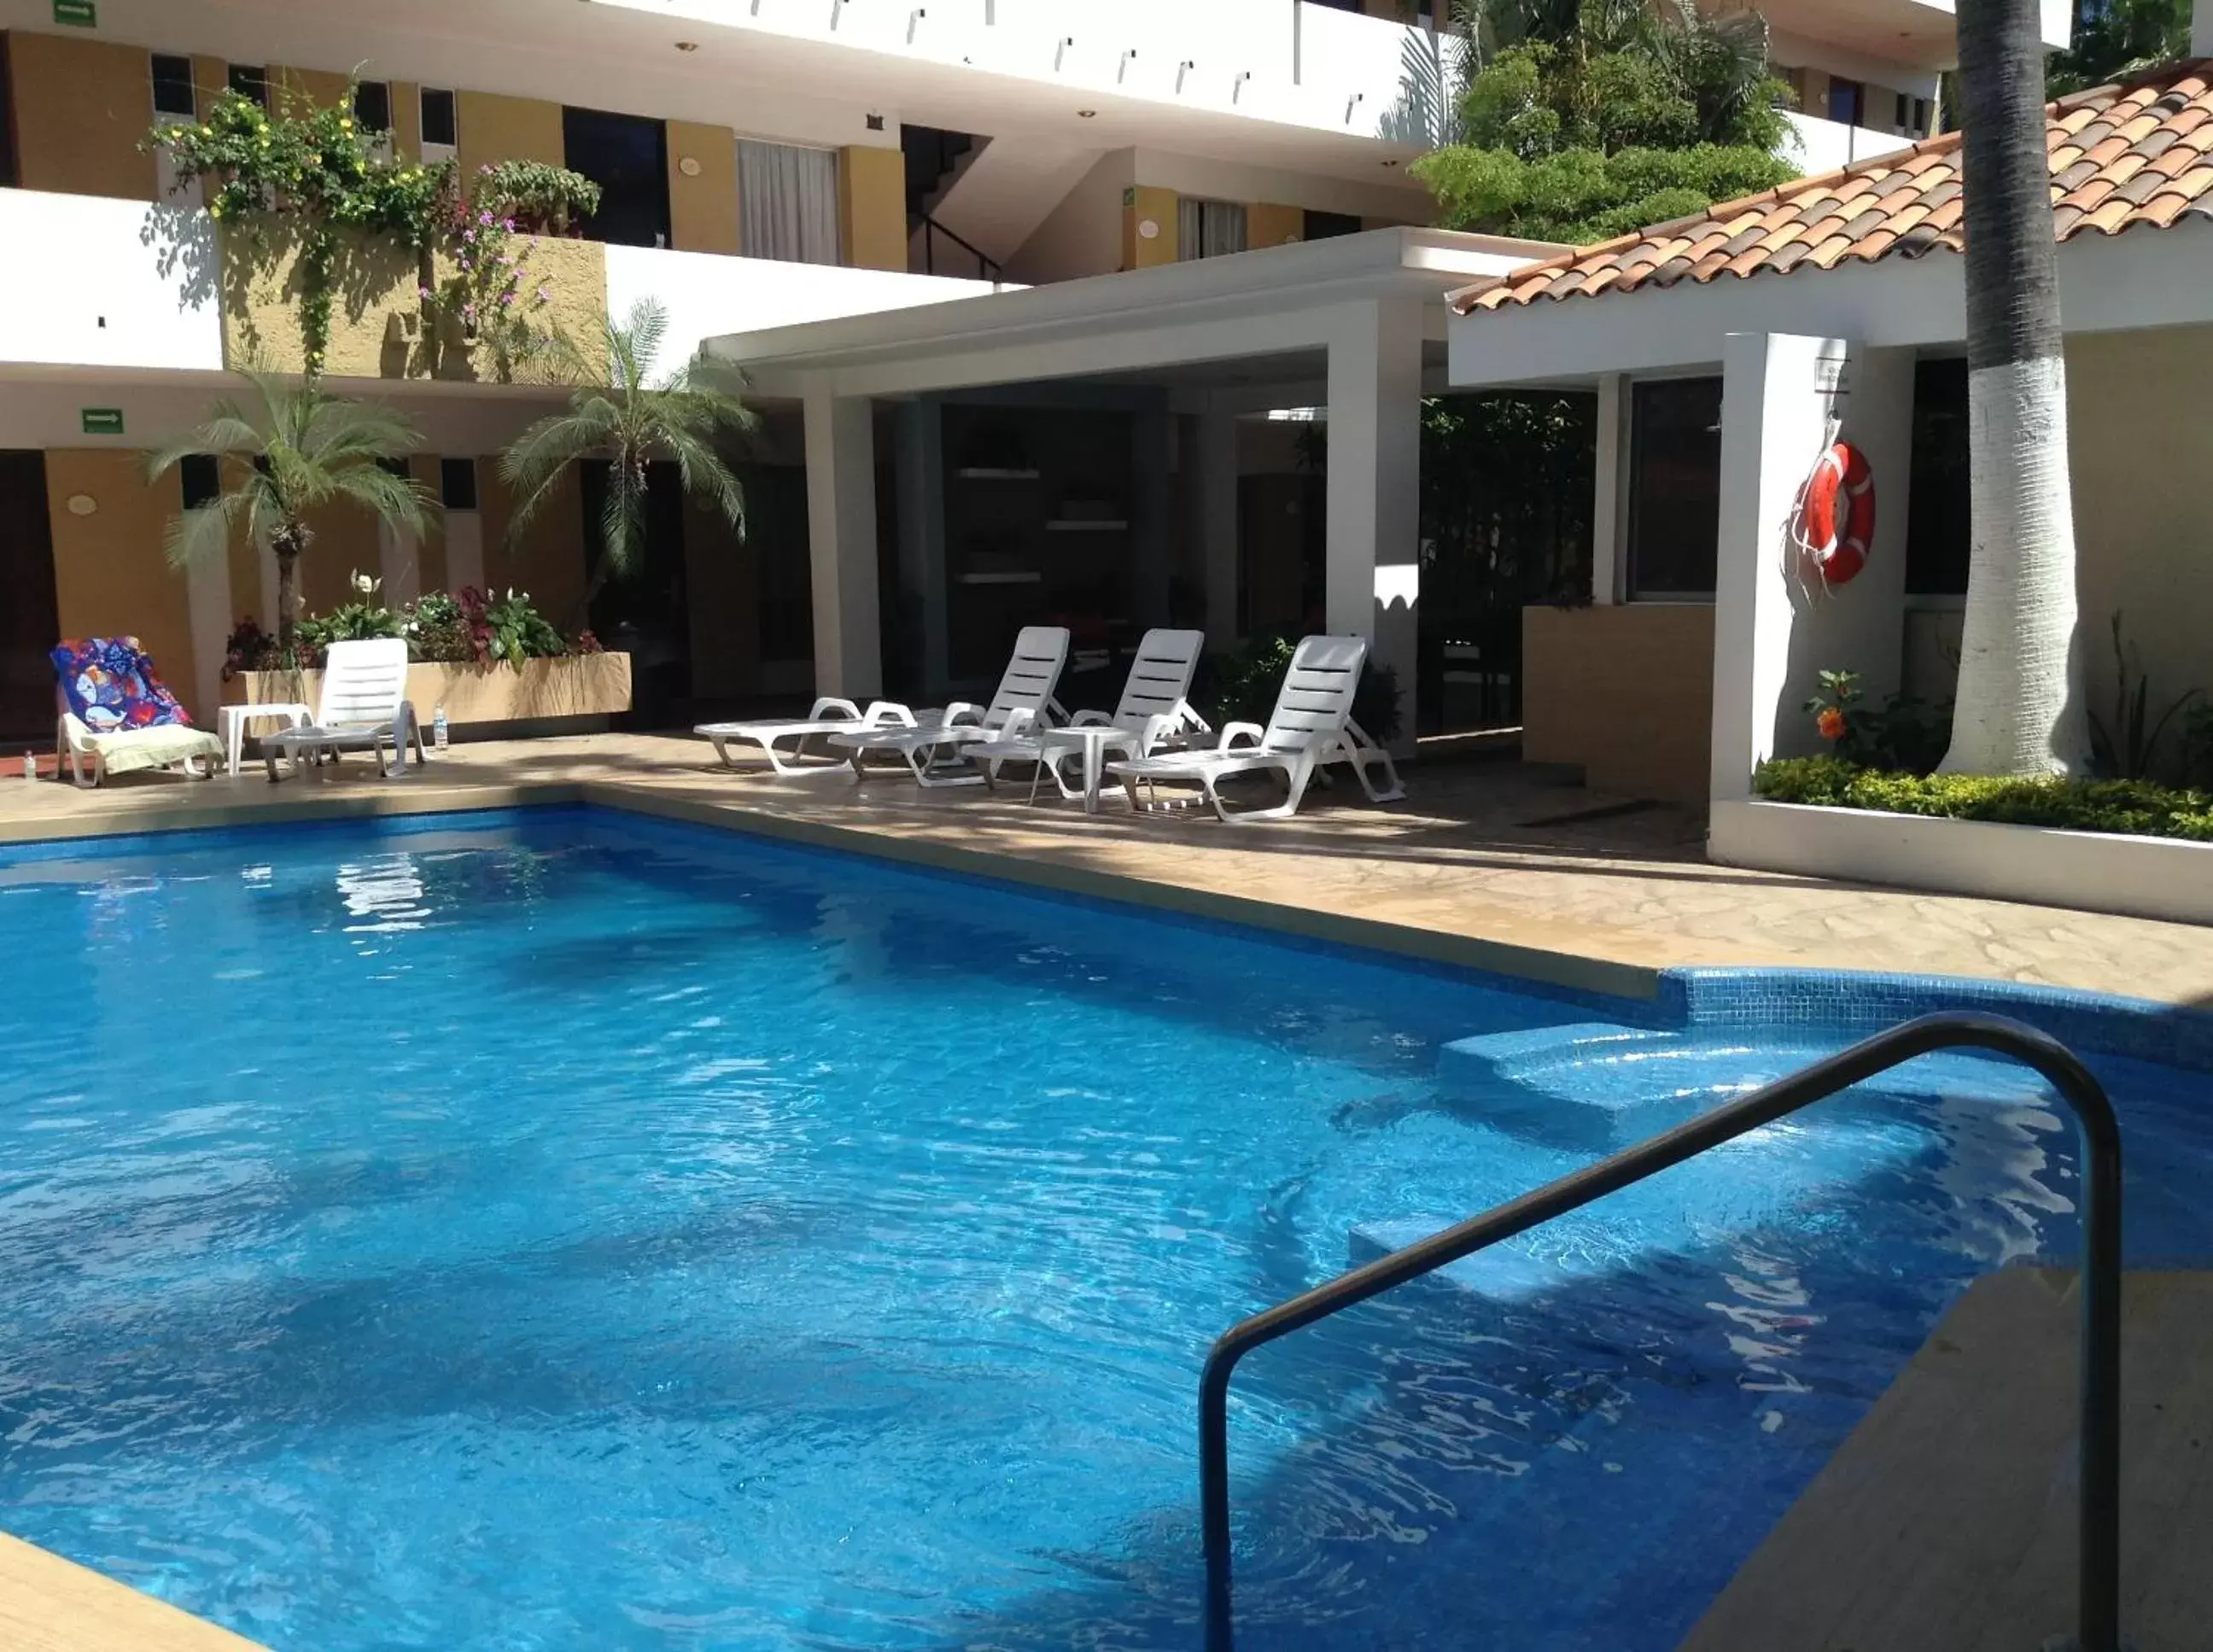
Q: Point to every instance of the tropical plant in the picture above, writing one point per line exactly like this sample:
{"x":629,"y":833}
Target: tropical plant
{"x":2126,"y":748}
{"x":1240,"y":685}
{"x":1907,"y":734}
{"x":2019,"y":709}
{"x":1585,"y":118}
{"x":303,"y":450}
{"x":2134,"y":807}
{"x":542,"y":199}
{"x":621,"y":411}
{"x":2111,"y":38}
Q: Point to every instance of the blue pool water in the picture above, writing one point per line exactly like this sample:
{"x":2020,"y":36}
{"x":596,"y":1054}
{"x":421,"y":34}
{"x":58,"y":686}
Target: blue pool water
{"x":569,"y":1232}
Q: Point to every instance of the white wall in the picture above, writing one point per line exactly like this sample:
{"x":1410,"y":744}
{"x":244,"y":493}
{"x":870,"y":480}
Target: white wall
{"x":82,"y":283}
{"x":1776,"y":625}
{"x":1231,"y":181}
{"x":1825,"y":145}
{"x":707,"y":293}
{"x":1082,"y":236}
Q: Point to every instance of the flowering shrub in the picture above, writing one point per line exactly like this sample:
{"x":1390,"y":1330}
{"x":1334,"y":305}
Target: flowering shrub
{"x":467,"y":628}
{"x":2133,"y":806}
{"x":314,"y":170}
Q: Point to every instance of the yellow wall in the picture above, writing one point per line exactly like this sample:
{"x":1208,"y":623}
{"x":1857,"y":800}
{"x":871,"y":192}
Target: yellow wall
{"x":407,"y":120}
{"x":703,"y":211}
{"x":1626,"y":692}
{"x":1270,"y":225}
{"x":497,"y":128}
{"x":210,"y":76}
{"x":316,"y":88}
{"x":111,"y":577}
{"x":430,"y":548}
{"x":81,"y":105}
{"x":548,"y":560}
{"x":1145,"y":203}
{"x":872,"y":207}
{"x":346,"y":543}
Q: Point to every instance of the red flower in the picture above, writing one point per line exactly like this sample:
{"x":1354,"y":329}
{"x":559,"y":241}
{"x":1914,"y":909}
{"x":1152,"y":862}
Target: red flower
{"x":1831,"y":723}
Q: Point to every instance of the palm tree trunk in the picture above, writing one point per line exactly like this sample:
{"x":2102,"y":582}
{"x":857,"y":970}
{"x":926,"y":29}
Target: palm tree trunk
{"x":2019,"y":709}
{"x":288,"y":597}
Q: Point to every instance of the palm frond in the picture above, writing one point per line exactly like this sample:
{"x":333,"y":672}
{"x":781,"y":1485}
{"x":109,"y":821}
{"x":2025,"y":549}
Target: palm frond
{"x":399,"y":500}
{"x":704,"y":471}
{"x":204,"y":532}
{"x":622,"y":522}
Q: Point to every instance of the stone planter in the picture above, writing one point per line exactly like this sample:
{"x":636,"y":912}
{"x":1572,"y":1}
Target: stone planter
{"x":562,"y":691}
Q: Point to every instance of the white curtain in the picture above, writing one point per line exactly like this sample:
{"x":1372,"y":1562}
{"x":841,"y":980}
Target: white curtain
{"x":1209,"y":229}
{"x":787,"y":203}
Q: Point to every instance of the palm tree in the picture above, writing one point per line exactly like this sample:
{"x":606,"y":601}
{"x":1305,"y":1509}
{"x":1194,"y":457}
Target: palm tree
{"x":2019,"y":709}
{"x":309,"y":448}
{"x":621,"y":412}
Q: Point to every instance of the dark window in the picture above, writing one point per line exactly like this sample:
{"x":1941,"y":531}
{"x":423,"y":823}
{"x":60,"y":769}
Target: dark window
{"x":1674,"y":486}
{"x":1921,"y":117}
{"x":1321,"y":225}
{"x":457,"y":483}
{"x":1844,"y":99}
{"x":173,"y":88}
{"x":398,"y":467}
{"x":249,"y":83}
{"x":202,"y":476}
{"x":8,"y":178}
{"x":372,"y":105}
{"x":627,"y":156}
{"x":440,"y":124}
{"x":28,"y":623}
{"x":1904,"y":120}
{"x":1937,"y":515}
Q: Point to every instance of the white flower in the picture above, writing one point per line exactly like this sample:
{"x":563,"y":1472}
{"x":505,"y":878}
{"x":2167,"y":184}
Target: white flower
{"x":365,"y":585}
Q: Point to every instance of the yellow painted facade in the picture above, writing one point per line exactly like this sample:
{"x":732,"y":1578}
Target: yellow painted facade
{"x":1143,"y":205}
{"x":497,"y":128}
{"x":547,"y":559}
{"x":1270,"y":225}
{"x":872,"y":207}
{"x":112,"y":575}
{"x":702,"y":188}
{"x":81,"y":107}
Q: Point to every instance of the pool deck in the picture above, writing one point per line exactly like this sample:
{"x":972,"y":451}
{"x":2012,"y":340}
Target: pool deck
{"x":1486,"y":865}
{"x":1946,"y":1521}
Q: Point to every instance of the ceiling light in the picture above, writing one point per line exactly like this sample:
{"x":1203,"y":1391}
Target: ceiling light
{"x":687,"y":45}
{"x":1085,"y":114}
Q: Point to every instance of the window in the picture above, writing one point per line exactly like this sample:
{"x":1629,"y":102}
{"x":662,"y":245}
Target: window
{"x":399,"y":468}
{"x":173,"y":88}
{"x":8,"y":178}
{"x":1321,"y":225}
{"x":627,"y":156}
{"x":372,"y":105}
{"x":1937,"y":512}
{"x":441,"y":128}
{"x":1209,"y":229}
{"x":1674,"y":486}
{"x":202,"y":476}
{"x":787,"y":203}
{"x":1845,"y":97}
{"x":457,"y":483}
{"x":1921,"y":112}
{"x":249,"y":82}
{"x":1905,"y":118}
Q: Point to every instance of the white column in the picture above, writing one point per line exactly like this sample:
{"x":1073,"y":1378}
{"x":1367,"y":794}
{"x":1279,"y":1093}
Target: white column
{"x":1373,"y":573}
{"x":841,"y":534}
{"x":1776,"y":625}
{"x":207,"y":607}
{"x":1607,"y":585}
{"x":398,"y":565}
{"x":2201,"y":31}
{"x":465,"y":559}
{"x":1218,"y":491}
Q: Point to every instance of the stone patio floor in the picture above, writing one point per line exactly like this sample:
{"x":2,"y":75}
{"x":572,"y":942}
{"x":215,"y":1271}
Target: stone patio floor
{"x":1487,"y":862}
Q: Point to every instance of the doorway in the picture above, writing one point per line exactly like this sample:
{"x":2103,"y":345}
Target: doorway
{"x":30,"y":624}
{"x":644,"y":612}
{"x":627,"y":156}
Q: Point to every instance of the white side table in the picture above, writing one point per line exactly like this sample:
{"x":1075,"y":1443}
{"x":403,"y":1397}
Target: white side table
{"x":1093,"y":741}
{"x":231,"y":720}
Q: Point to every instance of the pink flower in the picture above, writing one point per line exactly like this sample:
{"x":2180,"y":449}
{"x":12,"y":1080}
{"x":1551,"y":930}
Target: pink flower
{"x":505,"y":299}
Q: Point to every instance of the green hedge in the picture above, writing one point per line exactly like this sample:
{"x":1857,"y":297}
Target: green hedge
{"x":2134,"y":807}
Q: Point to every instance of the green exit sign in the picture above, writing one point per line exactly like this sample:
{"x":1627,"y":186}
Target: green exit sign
{"x":77,"y":14}
{"x":103,"y":421}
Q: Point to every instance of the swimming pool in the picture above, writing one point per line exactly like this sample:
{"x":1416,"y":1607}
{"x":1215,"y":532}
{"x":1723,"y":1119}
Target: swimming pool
{"x":561,"y":1230}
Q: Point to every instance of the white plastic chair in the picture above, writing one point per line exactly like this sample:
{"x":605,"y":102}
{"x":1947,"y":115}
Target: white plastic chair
{"x":829,"y":717}
{"x":1155,"y":709}
{"x":363,"y":704}
{"x":934,"y":752}
{"x":1311,"y":727}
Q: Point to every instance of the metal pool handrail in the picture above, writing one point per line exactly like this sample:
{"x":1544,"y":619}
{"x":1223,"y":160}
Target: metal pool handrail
{"x":2099,"y":1555}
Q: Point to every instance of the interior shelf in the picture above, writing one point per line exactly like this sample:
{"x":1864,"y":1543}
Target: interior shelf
{"x":988,"y":473}
{"x":1080,"y":525}
{"x":1031,"y":578}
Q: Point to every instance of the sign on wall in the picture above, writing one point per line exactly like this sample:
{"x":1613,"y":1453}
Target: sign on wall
{"x":103,"y":421}
{"x":77,"y":14}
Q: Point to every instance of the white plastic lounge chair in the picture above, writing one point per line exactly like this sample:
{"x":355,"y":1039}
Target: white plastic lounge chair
{"x":933,"y":751}
{"x":130,"y":720}
{"x":1311,"y":726}
{"x":364,"y":706}
{"x":829,"y":717}
{"x":1155,"y":710}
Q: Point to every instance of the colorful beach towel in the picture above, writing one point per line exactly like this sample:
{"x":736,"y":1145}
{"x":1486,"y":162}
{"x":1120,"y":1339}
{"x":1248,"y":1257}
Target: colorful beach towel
{"x":110,"y":686}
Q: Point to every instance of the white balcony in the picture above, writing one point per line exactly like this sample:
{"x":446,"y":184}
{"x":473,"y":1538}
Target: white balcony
{"x":90,"y":282}
{"x":1825,"y":145}
{"x":1918,"y":32}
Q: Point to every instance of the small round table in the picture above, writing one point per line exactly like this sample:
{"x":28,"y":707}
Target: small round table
{"x":231,"y":720}
{"x":1093,"y":741}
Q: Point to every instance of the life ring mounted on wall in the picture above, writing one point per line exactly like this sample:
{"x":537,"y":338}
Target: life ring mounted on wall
{"x":1835,"y":514}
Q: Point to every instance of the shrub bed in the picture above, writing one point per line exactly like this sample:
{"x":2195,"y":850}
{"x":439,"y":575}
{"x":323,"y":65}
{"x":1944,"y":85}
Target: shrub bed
{"x":2135,"y":808}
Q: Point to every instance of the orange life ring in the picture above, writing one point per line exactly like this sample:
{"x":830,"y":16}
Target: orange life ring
{"x":1839,"y":550}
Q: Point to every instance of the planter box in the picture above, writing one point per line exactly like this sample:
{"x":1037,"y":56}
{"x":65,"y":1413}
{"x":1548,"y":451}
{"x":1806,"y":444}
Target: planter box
{"x":537,"y":691}
{"x":2100,"y":872}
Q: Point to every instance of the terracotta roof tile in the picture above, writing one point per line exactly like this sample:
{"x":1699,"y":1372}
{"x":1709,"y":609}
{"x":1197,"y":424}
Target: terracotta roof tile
{"x":2120,"y":155}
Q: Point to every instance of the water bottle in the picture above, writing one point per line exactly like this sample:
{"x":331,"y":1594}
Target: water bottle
{"x":438,"y":726}
{"x":30,"y":765}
